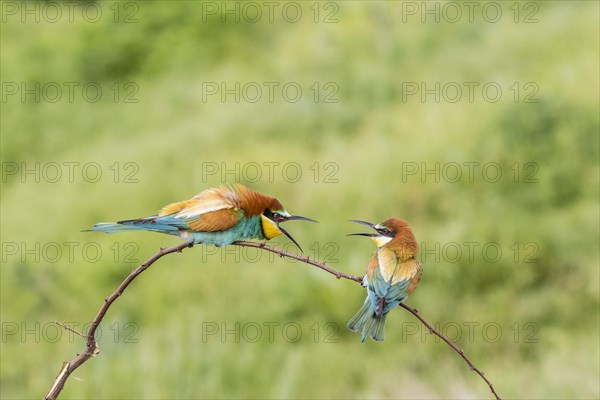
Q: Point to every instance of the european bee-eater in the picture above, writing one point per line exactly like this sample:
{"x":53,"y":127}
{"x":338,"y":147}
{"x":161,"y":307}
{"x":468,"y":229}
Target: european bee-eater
{"x":392,"y":274}
{"x":218,"y":216}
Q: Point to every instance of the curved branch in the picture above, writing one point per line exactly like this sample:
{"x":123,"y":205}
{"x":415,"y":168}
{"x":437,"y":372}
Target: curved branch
{"x":304,"y":259}
{"x":91,"y":348}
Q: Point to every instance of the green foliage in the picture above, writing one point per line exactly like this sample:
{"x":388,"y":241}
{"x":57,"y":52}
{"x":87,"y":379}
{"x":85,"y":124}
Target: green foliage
{"x":542,"y":292}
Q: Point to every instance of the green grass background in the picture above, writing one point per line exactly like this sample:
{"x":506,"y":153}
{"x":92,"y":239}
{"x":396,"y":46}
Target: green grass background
{"x":171,"y":135}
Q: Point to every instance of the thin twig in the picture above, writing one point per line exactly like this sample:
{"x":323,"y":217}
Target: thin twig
{"x":91,"y":348}
{"x":304,"y":259}
{"x":68,"y":328}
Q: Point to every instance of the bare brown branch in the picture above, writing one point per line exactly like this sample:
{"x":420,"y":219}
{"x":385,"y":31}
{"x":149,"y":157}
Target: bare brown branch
{"x":304,"y":259}
{"x":91,"y":348}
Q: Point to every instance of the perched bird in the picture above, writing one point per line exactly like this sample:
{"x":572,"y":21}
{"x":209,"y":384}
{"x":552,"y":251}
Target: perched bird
{"x":218,"y":216}
{"x":393,"y":273}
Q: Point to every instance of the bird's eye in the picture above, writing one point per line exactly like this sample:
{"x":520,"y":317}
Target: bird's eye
{"x":384,"y":231}
{"x":277,"y":216}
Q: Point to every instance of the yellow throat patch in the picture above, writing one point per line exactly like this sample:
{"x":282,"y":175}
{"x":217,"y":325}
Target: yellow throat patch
{"x":381,"y":240}
{"x":269,"y":227}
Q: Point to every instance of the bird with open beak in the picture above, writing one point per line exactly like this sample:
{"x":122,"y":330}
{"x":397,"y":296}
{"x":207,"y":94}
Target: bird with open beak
{"x":393,"y":272}
{"x":217,"y":216}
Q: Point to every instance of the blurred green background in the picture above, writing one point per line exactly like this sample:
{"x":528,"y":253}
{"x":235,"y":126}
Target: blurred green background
{"x":370,"y":137}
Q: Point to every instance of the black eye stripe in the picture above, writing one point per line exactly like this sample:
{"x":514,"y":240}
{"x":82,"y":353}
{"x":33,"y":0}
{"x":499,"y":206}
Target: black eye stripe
{"x":269,"y":214}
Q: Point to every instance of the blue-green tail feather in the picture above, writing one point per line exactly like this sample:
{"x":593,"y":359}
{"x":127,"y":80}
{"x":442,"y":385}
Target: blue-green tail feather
{"x":368,"y":322}
{"x":152,"y":224}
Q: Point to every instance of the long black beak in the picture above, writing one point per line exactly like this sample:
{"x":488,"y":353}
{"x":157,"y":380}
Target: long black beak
{"x":298,"y":218}
{"x":358,"y":221}
{"x":290,"y":237}
{"x":370,"y":225}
